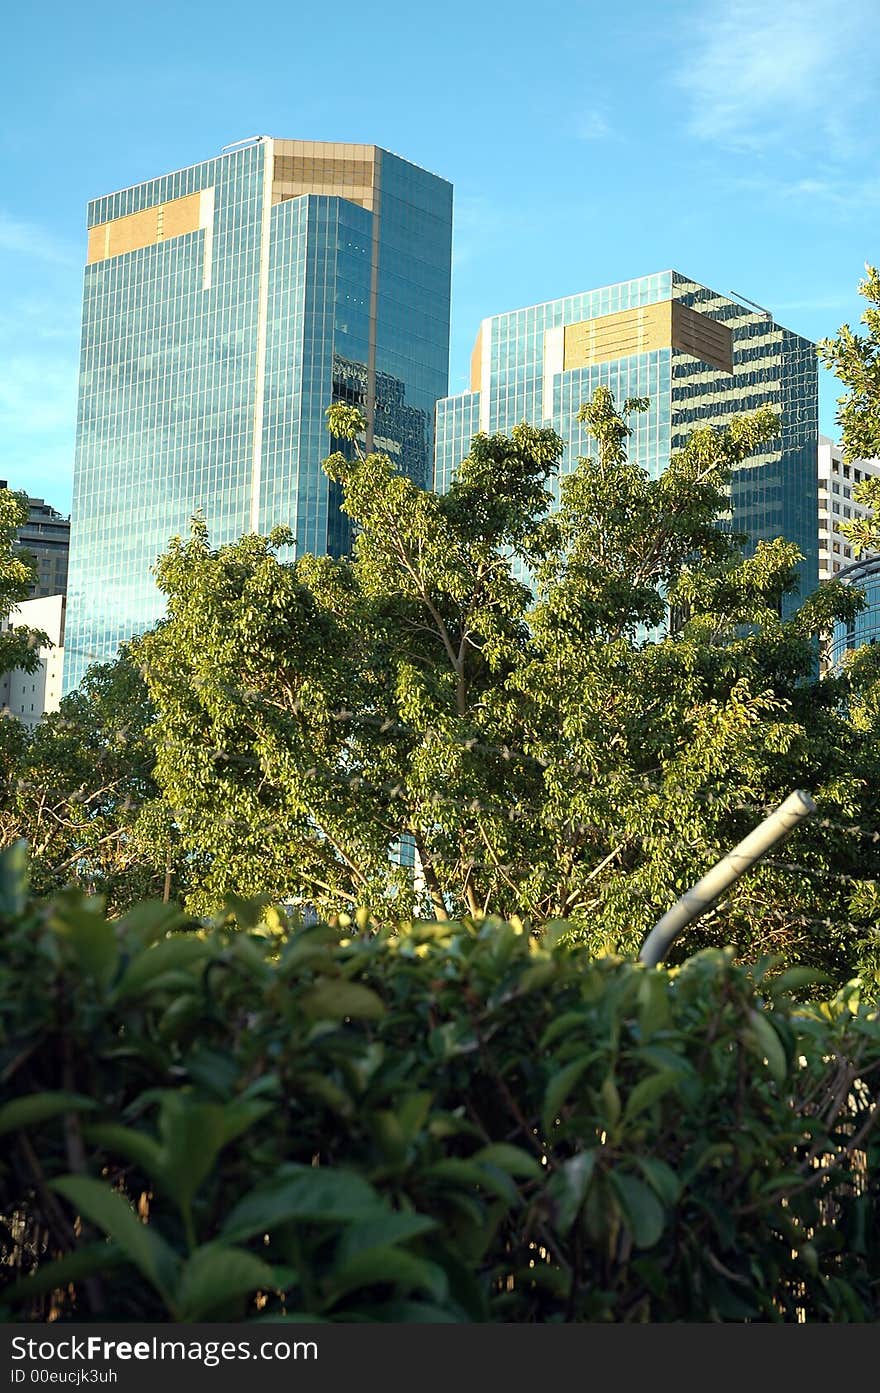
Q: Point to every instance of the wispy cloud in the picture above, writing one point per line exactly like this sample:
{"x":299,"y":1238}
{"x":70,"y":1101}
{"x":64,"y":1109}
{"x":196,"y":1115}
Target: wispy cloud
{"x":592,"y":125}
{"x":755,"y":74}
{"x":849,"y":197}
{"x":29,"y":239}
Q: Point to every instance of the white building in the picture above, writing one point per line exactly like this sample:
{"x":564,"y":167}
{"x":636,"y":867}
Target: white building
{"x":836,"y":505}
{"x":28,"y":695}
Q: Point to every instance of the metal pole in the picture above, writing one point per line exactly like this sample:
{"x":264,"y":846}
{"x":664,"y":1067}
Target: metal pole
{"x":775,"y":828}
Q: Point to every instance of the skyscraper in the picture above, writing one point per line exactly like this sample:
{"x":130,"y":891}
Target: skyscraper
{"x":46,"y":538}
{"x":225,"y":306}
{"x":699,"y":356}
{"x":837,"y":479}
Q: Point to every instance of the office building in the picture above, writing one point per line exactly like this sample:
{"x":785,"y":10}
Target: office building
{"x":225,"y":307}
{"x":46,"y":537}
{"x":699,"y":356}
{"x":865,"y":627}
{"x":837,"y":478}
{"x":29,"y":695}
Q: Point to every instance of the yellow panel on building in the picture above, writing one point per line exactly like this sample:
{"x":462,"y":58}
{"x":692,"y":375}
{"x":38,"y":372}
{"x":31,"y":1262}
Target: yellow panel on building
{"x":667,"y":324}
{"x":181,"y":215}
{"x":322,"y":167}
{"x":707,"y":339}
{"x":137,"y":230}
{"x":477,"y":362}
{"x":611,"y":336}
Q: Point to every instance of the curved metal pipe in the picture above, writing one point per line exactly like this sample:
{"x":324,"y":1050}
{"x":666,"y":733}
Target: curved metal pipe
{"x":694,"y":903}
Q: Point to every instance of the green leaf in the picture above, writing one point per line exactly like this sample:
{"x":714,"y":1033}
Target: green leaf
{"x":559,"y":1088}
{"x":383,"y":1231}
{"x":171,"y":955}
{"x":642,"y":1210}
{"x":192,"y":1135}
{"x":388,"y":1265}
{"x":217,"y":1274}
{"x":128,"y":1142}
{"x":14,"y":877}
{"x":568,"y":1187}
{"x":470,"y":1175}
{"x":768,"y":1045}
{"x":662,"y":1179}
{"x":412,"y":1113}
{"x":511,"y":1159}
{"x":91,"y":936}
{"x":560,"y":1025}
{"x":40,"y":1107}
{"x":91,"y":1258}
{"x":315,"y":1193}
{"x":143,"y":1246}
{"x":334,"y":998}
{"x":611,"y":1099}
{"x":648,"y":1091}
{"x":795,"y":979}
{"x":654,"y":1010}
{"x":537,"y":976}
{"x":150,"y":920}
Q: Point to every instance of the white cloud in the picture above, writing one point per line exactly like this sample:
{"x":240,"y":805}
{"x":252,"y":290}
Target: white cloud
{"x":755,"y":73}
{"x":592,"y":125}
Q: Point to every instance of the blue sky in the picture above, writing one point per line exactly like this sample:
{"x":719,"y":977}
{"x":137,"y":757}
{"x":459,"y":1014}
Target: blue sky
{"x":734,"y":140}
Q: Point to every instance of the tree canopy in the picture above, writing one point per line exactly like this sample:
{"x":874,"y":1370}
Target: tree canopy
{"x":536,"y":696}
{"x":855,"y":359}
{"x":18,"y":644}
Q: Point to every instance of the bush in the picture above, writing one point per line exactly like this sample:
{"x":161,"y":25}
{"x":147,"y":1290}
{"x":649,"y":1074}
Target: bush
{"x":253,"y":1119}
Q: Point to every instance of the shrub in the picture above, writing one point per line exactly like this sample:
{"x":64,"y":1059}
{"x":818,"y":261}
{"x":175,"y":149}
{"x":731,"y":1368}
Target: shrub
{"x":252,"y":1119}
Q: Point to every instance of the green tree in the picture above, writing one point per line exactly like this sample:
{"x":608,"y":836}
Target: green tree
{"x":568,"y":710}
{"x":855,"y":358}
{"x":80,"y":790}
{"x":18,"y":644}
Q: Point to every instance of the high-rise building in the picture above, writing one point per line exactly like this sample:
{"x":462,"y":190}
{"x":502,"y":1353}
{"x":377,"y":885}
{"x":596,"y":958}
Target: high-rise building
{"x":225,"y":307}
{"x":700,"y":358}
{"x":29,"y":695}
{"x":865,"y":627}
{"x":837,"y":478}
{"x":46,"y":538}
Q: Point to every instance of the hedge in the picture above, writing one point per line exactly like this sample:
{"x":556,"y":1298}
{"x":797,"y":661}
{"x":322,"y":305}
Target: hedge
{"x":252,"y":1119}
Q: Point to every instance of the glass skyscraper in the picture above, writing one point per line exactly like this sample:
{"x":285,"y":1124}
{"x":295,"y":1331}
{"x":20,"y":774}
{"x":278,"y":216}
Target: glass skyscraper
{"x":225,"y":307}
{"x":699,"y":356}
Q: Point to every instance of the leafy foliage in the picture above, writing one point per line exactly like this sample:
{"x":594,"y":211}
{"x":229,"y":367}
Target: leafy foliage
{"x":18,"y":644}
{"x":855,"y":358}
{"x":455,"y":1122}
{"x":506,"y":704}
{"x":80,"y":790}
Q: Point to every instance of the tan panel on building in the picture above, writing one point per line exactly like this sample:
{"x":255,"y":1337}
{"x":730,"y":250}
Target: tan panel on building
{"x":144,"y":229}
{"x":131,"y":233}
{"x":98,"y":242}
{"x":611,"y":336}
{"x":707,"y":339}
{"x":477,"y":362}
{"x":668,"y":324}
{"x":181,"y":215}
{"x":319,"y":166}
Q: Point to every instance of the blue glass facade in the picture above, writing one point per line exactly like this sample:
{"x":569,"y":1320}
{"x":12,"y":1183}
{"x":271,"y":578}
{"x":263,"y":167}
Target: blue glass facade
{"x":865,"y":628}
{"x":224,"y":308}
{"x":645,"y":338}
